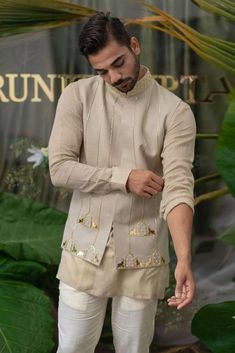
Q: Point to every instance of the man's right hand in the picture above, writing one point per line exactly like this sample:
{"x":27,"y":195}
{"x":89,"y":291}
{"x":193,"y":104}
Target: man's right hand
{"x":144,"y":183}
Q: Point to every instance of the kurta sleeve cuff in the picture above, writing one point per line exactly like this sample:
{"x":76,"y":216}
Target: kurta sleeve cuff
{"x":165,"y":210}
{"x":119,"y":178}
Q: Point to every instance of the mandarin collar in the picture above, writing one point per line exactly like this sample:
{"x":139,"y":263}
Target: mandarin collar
{"x":140,"y":86}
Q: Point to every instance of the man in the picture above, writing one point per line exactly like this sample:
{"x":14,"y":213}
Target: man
{"x":125,"y":145}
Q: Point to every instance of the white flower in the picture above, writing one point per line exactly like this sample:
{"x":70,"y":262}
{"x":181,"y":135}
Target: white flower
{"x":45,"y":151}
{"x":37,"y":155}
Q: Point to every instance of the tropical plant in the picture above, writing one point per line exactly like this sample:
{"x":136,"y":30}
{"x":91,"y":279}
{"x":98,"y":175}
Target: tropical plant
{"x":29,"y":254}
{"x":225,"y":150}
{"x":224,"y":157}
{"x":211,"y":49}
{"x":30,"y":237}
{"x":224,"y":8}
{"x":26,"y":324}
{"x":214,"y":324}
{"x":20,"y":16}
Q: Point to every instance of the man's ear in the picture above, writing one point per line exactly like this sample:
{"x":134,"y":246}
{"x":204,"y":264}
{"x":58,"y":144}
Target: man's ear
{"x":135,"y":46}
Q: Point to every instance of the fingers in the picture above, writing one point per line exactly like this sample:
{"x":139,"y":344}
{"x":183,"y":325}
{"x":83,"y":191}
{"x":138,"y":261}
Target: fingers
{"x":157,"y":179}
{"x":183,"y":297}
{"x":156,"y":186}
{"x":179,"y":303}
{"x":184,"y":303}
{"x":144,"y":183}
{"x":149,"y":190}
{"x":145,"y":195}
{"x":153,"y":187}
{"x":187,"y":298}
{"x":173,"y":301}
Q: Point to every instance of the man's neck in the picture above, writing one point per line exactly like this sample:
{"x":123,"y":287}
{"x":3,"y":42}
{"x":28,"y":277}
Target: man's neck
{"x":142,"y":72}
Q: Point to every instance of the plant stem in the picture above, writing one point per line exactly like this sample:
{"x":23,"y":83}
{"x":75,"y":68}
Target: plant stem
{"x":207,"y":136}
{"x":211,"y":195}
{"x":207,"y":178}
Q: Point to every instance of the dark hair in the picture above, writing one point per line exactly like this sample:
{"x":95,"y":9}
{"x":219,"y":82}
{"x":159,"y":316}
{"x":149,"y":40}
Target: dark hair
{"x":97,"y":32}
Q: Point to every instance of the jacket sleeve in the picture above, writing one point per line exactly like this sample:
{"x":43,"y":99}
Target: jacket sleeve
{"x":64,"y":149}
{"x":177,"y":157}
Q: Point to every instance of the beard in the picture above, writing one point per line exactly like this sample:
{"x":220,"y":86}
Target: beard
{"x":128,"y":83}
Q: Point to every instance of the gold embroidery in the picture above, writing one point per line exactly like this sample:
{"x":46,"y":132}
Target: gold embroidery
{"x":131,"y":261}
{"x":74,"y":249}
{"x":68,"y":244}
{"x":87,"y":221}
{"x":121,"y":264}
{"x":89,"y":253}
{"x":141,"y":229}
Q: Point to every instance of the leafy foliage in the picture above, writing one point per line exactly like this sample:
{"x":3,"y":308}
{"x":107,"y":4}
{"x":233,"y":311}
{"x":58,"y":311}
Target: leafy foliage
{"x":19,"y":16}
{"x":30,"y":230}
{"x":214,"y":325}
{"x":225,"y":151}
{"x":224,"y":156}
{"x":228,"y":236}
{"x":214,"y":50}
{"x":21,"y":270}
{"x":224,"y":8}
{"x":26,"y":325}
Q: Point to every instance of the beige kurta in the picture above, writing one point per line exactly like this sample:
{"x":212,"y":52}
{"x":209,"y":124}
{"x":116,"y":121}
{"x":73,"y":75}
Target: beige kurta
{"x":99,"y":135}
{"x":107,"y":281}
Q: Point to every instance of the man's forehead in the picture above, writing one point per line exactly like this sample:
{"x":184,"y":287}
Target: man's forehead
{"x":107,"y":55}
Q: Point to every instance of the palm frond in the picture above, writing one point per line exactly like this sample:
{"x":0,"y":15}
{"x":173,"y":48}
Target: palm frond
{"x":19,"y":16}
{"x":214,"y":50}
{"x":225,"y":8}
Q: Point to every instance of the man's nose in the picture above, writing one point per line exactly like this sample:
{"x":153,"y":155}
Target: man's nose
{"x":114,"y":76}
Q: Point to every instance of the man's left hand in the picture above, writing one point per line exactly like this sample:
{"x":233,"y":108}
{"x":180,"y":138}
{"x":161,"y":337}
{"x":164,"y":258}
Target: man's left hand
{"x":185,"y":286}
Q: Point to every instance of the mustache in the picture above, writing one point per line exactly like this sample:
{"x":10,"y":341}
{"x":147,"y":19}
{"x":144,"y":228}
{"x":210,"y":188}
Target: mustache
{"x":119,"y":82}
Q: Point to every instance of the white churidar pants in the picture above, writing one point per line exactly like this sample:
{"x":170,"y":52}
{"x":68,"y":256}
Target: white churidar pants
{"x":81,"y":317}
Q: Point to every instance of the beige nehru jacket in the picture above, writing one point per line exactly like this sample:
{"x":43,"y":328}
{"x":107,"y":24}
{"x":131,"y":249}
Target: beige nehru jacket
{"x":99,"y":135}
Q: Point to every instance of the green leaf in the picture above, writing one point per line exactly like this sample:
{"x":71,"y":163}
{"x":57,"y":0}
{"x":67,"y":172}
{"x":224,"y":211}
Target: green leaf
{"x":219,"y":7}
{"x":228,"y":236}
{"x":214,"y":50}
{"x":214,"y":325}
{"x":19,"y":16}
{"x":225,"y":150}
{"x":27,"y":271}
{"x":26,"y":325}
{"x":30,"y":230}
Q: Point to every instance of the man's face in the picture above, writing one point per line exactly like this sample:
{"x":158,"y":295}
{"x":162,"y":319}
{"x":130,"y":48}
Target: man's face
{"x":117,"y":64}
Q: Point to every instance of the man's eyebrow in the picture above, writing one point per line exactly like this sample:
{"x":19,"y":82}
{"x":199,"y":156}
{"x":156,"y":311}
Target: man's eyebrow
{"x":113,"y":63}
{"x":116,"y":60}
